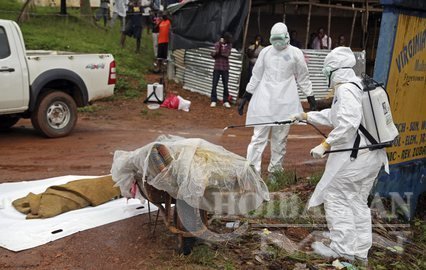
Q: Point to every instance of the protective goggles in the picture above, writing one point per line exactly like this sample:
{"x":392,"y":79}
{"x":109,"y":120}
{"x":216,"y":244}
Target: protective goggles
{"x":281,"y":39}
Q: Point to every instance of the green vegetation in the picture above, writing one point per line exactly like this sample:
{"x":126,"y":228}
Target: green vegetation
{"x":46,"y":30}
{"x":90,"y":108}
{"x":280,"y":179}
{"x":203,"y":255}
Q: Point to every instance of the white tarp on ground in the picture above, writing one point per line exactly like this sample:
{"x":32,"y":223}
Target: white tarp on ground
{"x":18,"y":233}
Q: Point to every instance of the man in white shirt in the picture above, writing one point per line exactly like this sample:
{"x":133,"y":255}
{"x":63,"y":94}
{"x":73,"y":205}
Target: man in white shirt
{"x":322,"y":41}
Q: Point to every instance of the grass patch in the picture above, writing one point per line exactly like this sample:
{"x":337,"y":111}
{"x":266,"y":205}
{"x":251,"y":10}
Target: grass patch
{"x":90,"y":109}
{"x":314,"y":178}
{"x":280,"y":179}
{"x":203,"y":255}
{"x":146,"y":113}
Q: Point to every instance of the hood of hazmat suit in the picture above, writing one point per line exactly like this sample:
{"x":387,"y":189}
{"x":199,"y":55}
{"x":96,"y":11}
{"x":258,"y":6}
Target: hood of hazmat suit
{"x":279,"y":38}
{"x":338,"y":66}
{"x":273,"y":81}
{"x":346,"y":184}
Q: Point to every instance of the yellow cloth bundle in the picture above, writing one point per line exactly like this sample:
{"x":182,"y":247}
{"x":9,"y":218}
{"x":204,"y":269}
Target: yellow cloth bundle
{"x":70,"y":196}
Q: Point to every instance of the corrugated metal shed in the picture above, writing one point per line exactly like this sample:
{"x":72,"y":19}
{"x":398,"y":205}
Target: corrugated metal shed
{"x":194,"y":68}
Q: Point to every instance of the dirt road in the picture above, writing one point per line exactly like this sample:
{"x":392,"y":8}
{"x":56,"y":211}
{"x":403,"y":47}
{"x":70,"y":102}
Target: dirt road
{"x":123,"y":125}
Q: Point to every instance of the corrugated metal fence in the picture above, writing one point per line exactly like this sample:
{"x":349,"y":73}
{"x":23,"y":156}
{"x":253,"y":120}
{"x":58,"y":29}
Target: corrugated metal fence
{"x":194,"y":69}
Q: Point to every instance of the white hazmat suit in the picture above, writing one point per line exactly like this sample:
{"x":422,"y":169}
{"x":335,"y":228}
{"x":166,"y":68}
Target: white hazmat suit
{"x":274,"y":96}
{"x":345,"y":184}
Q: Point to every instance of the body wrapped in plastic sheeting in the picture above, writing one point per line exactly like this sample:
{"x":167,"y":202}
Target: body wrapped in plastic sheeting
{"x":204,"y":175}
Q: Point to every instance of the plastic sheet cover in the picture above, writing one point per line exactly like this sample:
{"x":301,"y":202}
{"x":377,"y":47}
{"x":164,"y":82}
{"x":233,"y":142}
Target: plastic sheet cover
{"x":201,"y":23}
{"x":204,"y":175}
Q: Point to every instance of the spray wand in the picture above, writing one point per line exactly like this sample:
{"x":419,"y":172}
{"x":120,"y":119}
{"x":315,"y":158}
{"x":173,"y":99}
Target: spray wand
{"x":285,"y":122}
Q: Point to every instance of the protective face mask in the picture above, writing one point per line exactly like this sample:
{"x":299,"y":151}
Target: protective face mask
{"x":279,"y":42}
{"x":328,"y":71}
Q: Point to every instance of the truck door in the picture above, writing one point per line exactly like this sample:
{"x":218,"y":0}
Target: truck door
{"x":12,"y":78}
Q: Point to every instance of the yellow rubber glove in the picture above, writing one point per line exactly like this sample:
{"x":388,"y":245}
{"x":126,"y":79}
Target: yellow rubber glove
{"x":319,"y":150}
{"x":299,"y":117}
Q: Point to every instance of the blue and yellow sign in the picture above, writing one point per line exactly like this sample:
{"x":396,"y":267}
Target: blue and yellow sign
{"x":407,"y":89}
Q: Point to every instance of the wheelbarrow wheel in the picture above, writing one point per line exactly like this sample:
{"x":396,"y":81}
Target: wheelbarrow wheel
{"x":188,"y":219}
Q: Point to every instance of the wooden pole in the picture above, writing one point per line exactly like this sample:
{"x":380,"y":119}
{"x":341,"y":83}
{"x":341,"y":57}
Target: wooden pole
{"x":244,"y":44}
{"x":328,"y":27}
{"x":23,"y":15}
{"x":307,"y":26}
{"x":373,"y":45}
{"x":246,"y":26}
{"x":284,"y":8}
{"x":334,"y":6}
{"x":352,"y":28}
{"x":365,"y":32}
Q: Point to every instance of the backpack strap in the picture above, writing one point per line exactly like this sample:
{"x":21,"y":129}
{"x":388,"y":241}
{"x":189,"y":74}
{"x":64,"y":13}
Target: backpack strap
{"x":367,"y":134}
{"x":357,"y":86}
{"x":364,"y":131}
{"x":355,"y":148}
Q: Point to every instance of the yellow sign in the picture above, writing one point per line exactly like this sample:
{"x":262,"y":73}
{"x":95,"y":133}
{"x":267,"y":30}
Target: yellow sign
{"x":407,"y":89}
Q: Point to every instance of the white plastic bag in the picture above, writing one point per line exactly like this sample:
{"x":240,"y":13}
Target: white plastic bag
{"x":184,"y":104}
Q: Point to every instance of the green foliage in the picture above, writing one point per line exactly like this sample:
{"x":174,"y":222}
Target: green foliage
{"x":278,"y":180}
{"x":203,"y":255}
{"x":315,"y":178}
{"x":90,"y":109}
{"x":146,"y":113}
{"x":229,"y":266}
{"x":9,"y":9}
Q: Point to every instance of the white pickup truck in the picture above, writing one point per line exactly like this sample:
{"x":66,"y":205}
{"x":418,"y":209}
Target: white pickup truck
{"x":48,"y":86}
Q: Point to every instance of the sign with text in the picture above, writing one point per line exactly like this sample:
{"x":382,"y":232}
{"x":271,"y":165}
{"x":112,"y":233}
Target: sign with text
{"x":407,"y":90}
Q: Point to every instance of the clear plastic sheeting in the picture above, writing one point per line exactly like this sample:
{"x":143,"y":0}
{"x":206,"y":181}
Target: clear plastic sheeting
{"x":204,"y":175}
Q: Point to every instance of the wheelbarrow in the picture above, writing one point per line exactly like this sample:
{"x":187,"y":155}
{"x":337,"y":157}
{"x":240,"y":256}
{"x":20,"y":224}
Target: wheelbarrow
{"x":223,"y":192}
{"x":179,"y":217}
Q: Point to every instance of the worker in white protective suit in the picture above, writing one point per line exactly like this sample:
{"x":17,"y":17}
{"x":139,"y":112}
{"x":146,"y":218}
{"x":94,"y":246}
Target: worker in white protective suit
{"x":346,"y":183}
{"x":273,"y":86}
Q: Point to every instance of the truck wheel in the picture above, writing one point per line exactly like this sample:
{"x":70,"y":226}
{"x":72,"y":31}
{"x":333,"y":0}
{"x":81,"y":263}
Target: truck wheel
{"x":55,"y":115}
{"x":7,"y":121}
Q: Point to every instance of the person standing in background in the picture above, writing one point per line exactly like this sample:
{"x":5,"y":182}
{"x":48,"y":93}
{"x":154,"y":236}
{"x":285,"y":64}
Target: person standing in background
{"x":155,"y":22}
{"x":294,"y":41}
{"x":146,"y":14}
{"x":322,"y":41}
{"x":312,"y":37}
{"x":102,"y":12}
{"x":133,"y":25}
{"x":163,"y":39}
{"x":119,"y":11}
{"x":341,"y":42}
{"x":253,"y":52}
{"x":221,"y":53}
